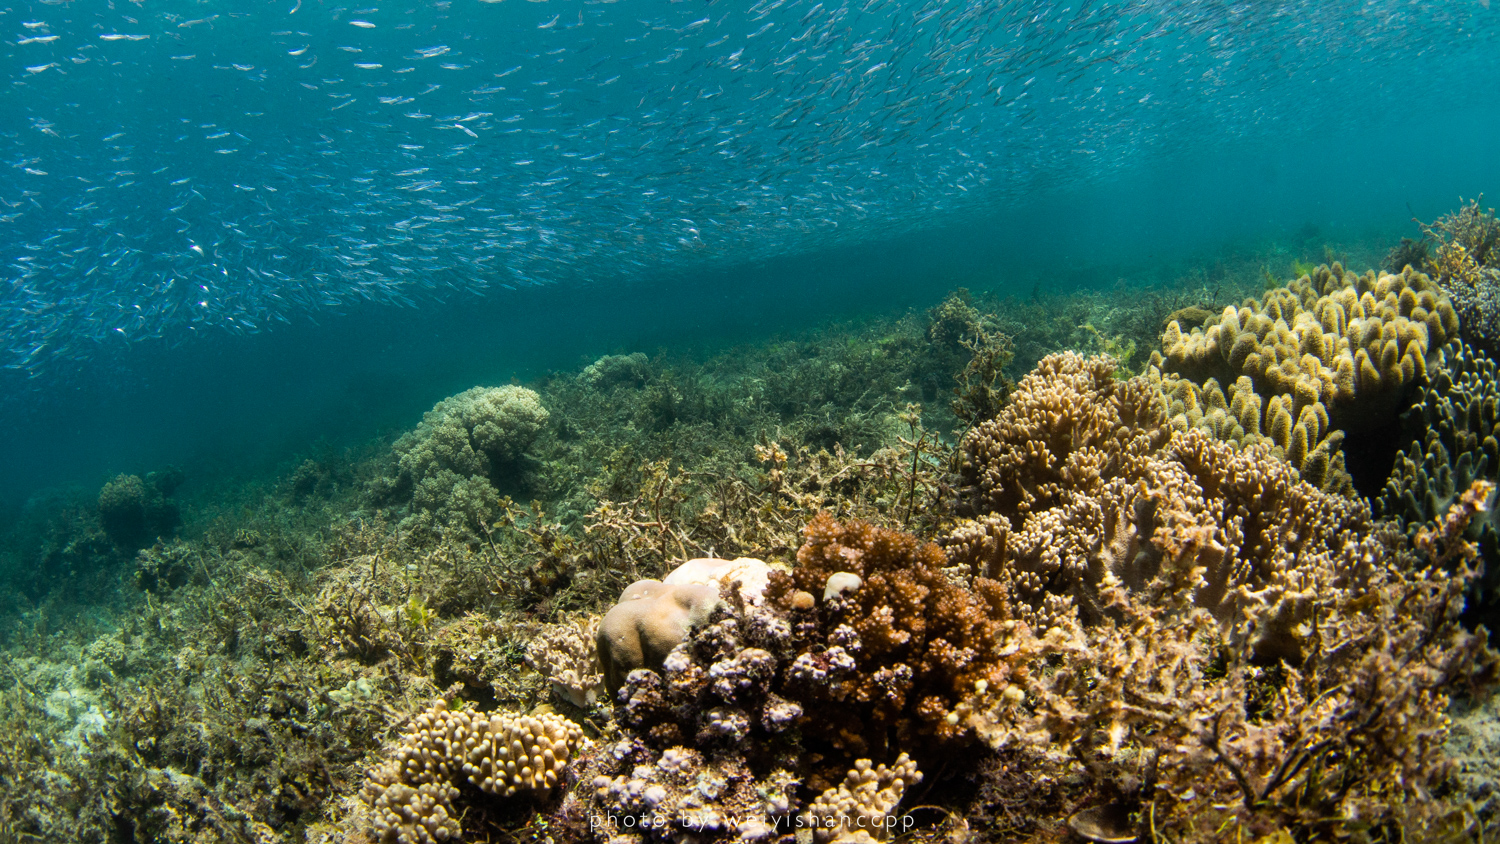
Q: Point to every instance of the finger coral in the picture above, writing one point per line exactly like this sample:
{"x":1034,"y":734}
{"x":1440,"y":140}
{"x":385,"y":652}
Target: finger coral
{"x":1330,"y":351}
{"x":859,"y":810}
{"x":412,"y":794}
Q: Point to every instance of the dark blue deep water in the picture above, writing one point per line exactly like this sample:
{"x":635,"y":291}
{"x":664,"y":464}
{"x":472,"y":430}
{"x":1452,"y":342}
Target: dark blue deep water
{"x":228,"y":230}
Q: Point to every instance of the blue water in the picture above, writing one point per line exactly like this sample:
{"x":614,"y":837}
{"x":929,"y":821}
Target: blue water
{"x":231,"y":229}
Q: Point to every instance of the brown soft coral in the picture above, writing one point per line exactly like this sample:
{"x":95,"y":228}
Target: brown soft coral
{"x":921,"y":639}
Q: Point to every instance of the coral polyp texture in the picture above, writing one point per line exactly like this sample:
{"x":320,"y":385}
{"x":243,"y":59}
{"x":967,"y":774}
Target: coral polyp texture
{"x":568,"y":654}
{"x":1218,"y":625}
{"x":1455,"y":441}
{"x":451,"y":463}
{"x":413,"y":794}
{"x":1466,"y":263}
{"x":1331,"y":351}
{"x":859,"y":809}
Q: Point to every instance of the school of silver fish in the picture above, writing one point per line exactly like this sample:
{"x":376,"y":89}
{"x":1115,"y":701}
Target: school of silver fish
{"x":173,"y":169}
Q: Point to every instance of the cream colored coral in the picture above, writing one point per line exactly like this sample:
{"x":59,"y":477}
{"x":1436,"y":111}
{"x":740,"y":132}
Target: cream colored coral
{"x":522,"y":753}
{"x":569,"y":655}
{"x":859,"y":809}
{"x":411,"y":794}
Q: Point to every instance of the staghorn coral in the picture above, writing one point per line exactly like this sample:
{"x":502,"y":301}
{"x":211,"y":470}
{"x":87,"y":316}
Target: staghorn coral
{"x":453,"y":462}
{"x":1455,"y":441}
{"x":1330,"y":351}
{"x":412,"y":793}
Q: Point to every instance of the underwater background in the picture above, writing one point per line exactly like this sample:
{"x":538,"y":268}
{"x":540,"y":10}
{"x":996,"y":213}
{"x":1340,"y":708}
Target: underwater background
{"x":233,"y":227}
{"x":1108,"y":385}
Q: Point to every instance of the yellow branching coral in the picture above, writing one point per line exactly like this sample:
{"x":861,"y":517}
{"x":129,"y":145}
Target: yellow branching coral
{"x":859,"y":810}
{"x":1227,"y":644}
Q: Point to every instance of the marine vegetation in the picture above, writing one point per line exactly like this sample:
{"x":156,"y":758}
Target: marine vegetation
{"x":950,"y":575}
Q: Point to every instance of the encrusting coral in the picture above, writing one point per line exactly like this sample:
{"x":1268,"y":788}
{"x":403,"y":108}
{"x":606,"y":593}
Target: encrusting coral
{"x":1332,"y":351}
{"x":412,"y":794}
{"x":453,"y":461}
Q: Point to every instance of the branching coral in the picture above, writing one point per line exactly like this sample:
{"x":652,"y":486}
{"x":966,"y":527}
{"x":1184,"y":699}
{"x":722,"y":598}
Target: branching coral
{"x":859,"y":810}
{"x":1232,"y":645}
{"x":464,"y":446}
{"x":1069,"y":420}
{"x":1455,"y":430}
{"x":1466,"y":263}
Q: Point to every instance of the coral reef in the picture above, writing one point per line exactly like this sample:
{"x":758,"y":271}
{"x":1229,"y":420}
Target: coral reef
{"x":859,"y":810}
{"x":1149,"y":507}
{"x":1213,"y":665}
{"x":1128,"y":627}
{"x":412,"y":794}
{"x":1466,"y":264}
{"x":137,"y":512}
{"x":454,"y":462}
{"x":652,"y":617}
{"x":568,"y":654}
{"x":1454,"y":441}
{"x":632,"y":370}
{"x":1332,"y":351}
